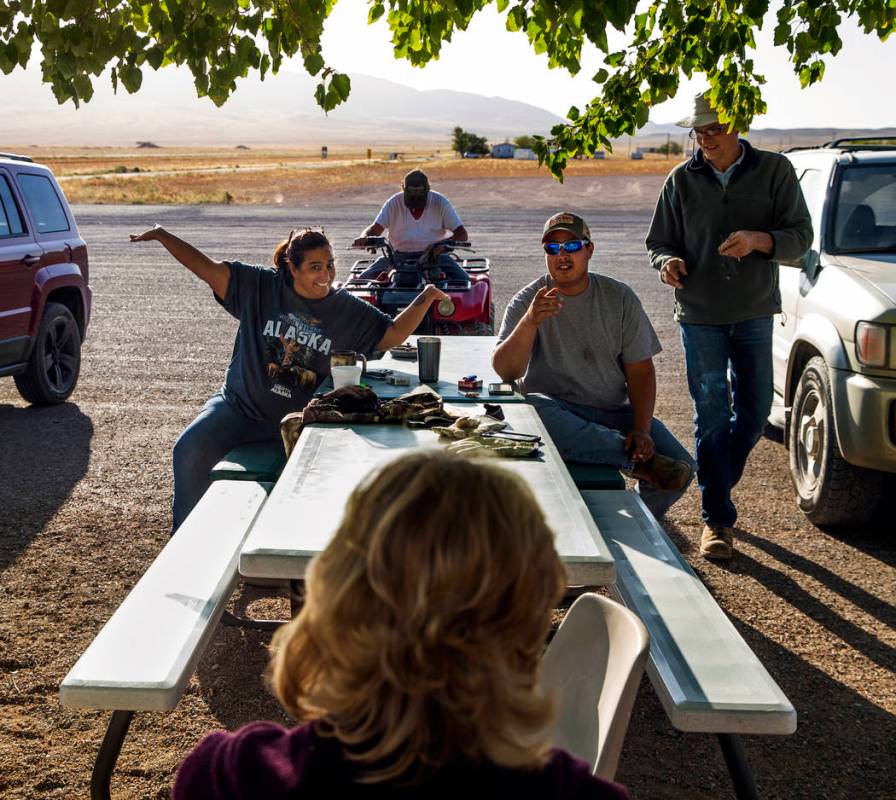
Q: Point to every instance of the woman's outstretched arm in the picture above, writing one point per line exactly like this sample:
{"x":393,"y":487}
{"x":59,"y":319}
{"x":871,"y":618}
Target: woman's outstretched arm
{"x":215,"y":273}
{"x":408,"y":320}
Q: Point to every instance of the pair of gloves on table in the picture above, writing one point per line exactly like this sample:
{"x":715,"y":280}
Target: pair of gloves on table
{"x":421,"y":407}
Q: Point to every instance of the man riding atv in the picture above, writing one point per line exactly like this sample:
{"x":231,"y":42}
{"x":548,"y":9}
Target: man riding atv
{"x":415,"y":218}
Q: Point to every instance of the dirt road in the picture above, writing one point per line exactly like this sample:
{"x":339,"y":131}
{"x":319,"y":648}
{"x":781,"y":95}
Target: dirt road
{"x":85,"y":492}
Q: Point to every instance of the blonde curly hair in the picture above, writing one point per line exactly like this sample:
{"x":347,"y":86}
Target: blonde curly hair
{"x":424,"y":622}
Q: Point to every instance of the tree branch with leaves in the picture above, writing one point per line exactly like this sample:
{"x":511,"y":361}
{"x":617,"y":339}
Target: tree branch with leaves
{"x":220,"y":41}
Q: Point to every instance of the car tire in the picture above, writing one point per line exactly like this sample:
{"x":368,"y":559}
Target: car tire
{"x":829,"y":490}
{"x":55,"y":360}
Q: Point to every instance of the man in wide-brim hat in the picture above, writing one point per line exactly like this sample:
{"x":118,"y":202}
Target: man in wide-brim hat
{"x":723,"y":220}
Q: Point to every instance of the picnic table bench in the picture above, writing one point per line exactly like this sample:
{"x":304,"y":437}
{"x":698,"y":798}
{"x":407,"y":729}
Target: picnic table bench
{"x":705,"y":675}
{"x":144,"y":656}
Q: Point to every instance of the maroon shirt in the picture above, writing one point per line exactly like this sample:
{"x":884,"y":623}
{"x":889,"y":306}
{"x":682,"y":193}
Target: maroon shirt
{"x":265,"y":760}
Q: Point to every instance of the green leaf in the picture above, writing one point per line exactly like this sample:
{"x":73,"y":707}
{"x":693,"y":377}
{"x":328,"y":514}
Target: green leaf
{"x":782,"y":33}
{"x":601,"y":76}
{"x":131,"y":77}
{"x":642,"y":114}
{"x":615,"y":59}
{"x":314,"y":63}
{"x":155,"y":56}
{"x":342,"y":85}
{"x":376,"y":11}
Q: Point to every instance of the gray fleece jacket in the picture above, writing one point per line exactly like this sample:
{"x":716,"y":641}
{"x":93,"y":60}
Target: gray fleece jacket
{"x":694,"y":215}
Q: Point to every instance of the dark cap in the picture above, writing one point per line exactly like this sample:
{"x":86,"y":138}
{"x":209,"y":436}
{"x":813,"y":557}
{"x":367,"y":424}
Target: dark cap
{"x":416,"y":189}
{"x":566,"y":221}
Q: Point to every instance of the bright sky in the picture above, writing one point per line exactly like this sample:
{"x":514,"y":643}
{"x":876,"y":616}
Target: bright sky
{"x":856,"y":91}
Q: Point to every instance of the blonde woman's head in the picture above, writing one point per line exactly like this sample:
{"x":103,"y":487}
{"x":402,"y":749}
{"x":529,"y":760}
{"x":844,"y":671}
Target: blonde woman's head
{"x":424,"y":621}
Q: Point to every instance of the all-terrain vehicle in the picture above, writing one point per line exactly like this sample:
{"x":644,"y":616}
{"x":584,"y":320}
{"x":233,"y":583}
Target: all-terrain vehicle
{"x":392,"y":280}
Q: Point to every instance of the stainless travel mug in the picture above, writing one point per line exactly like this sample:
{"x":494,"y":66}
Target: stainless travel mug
{"x":428,"y":350}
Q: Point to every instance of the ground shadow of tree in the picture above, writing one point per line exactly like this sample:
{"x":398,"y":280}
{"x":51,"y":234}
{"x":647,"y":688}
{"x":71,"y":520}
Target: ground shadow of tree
{"x":44,"y":452}
{"x":660,"y":762}
{"x":232,"y":672}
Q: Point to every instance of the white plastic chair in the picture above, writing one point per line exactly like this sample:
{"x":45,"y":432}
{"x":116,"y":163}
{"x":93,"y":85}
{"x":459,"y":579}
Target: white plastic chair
{"x":592,"y":668}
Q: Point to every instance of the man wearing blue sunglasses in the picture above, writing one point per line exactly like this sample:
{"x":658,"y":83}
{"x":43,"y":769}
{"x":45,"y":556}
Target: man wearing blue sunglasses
{"x":582,"y":348}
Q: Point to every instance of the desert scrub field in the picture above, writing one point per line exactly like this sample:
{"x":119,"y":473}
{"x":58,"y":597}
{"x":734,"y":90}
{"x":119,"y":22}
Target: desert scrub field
{"x":249,"y":176}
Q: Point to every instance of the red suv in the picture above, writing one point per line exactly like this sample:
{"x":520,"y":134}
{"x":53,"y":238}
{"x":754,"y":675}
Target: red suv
{"x":44,"y":295}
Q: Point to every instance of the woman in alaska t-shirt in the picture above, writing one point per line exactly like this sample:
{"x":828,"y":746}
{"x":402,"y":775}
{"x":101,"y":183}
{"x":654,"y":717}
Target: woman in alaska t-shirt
{"x":291,"y":319}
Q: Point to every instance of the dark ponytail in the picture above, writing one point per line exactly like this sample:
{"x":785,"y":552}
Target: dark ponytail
{"x":294,"y":248}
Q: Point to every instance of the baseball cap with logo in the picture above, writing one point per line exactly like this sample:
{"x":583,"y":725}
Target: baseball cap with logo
{"x":416,"y":189}
{"x":566,"y":221}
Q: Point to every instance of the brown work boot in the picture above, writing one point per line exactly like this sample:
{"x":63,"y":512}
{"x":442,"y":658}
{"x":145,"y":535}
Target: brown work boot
{"x":661,"y":472}
{"x":717,"y":542}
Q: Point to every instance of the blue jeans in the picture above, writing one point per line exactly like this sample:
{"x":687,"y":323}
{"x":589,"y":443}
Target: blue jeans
{"x":592,"y":435}
{"x":727,"y":425}
{"x":207,"y":439}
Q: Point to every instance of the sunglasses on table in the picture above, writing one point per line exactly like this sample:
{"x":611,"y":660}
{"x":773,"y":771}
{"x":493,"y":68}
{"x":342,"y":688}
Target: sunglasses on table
{"x":552,"y":248}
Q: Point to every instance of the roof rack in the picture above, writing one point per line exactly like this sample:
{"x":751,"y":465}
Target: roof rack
{"x":14,"y":157}
{"x":861,"y":141}
{"x":850,"y":144}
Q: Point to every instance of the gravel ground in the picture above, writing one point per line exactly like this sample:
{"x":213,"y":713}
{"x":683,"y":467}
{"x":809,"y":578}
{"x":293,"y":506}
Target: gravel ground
{"x":85,"y":492}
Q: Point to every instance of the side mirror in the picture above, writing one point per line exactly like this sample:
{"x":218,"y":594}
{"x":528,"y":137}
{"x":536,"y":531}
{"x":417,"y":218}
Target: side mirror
{"x":809,"y":263}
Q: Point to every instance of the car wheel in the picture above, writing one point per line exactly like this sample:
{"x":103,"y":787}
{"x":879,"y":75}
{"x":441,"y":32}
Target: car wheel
{"x":829,"y":490}
{"x":55,"y":359}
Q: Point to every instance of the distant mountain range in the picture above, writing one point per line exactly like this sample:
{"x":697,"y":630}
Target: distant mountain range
{"x":277,"y":111}
{"x":280,"y":111}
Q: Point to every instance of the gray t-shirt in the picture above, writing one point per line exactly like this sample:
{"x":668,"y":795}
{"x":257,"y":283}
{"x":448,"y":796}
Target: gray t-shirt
{"x":578,"y":354}
{"x":282,"y":349}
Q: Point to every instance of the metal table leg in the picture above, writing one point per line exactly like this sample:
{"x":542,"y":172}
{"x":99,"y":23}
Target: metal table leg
{"x":296,"y":596}
{"x":738,"y":767}
{"x":108,"y":754}
{"x":232,"y":620}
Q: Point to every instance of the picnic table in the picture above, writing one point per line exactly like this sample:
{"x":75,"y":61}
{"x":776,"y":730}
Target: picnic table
{"x":460,"y":356}
{"x":305,"y":508}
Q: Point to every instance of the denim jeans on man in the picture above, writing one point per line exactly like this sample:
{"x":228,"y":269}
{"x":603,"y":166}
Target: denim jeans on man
{"x":208,"y":438}
{"x":727,"y":426}
{"x":592,"y":435}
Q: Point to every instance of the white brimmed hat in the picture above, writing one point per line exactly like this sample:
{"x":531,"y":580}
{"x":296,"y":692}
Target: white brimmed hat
{"x":703,"y":114}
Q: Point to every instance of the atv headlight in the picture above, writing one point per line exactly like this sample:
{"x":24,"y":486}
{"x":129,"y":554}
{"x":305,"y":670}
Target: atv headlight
{"x":446,"y":307}
{"x":875,"y":344}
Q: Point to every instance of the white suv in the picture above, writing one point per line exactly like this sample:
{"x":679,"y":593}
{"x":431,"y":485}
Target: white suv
{"x":834,"y":346}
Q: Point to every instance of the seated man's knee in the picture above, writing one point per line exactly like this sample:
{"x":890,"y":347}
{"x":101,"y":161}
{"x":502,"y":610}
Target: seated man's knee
{"x":541,"y":401}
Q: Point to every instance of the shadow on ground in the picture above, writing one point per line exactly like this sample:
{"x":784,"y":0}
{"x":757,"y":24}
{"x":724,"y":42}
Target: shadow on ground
{"x":666,"y":763}
{"x":45,"y":452}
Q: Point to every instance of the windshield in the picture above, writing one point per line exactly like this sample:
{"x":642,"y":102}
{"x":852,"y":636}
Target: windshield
{"x":865,"y":210}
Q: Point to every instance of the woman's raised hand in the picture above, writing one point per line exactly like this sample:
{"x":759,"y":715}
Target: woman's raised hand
{"x":434,"y":293}
{"x":152,"y":235}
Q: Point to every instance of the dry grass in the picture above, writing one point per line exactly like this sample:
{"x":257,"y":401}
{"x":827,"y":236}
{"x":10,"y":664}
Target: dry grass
{"x":171,"y":175}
